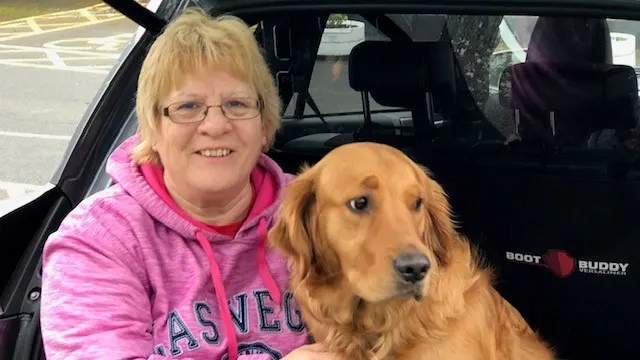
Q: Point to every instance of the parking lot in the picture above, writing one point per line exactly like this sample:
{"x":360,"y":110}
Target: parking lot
{"x":52,"y":66}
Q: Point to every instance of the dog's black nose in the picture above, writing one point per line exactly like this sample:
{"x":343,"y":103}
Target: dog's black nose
{"x":412,"y":267}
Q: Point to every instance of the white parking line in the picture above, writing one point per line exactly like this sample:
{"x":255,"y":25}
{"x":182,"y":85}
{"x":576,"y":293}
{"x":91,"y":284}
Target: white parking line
{"x":54,"y":57}
{"x":35,"y":136}
{"x":33,"y":25}
{"x":74,"y":26}
{"x":17,"y":189}
{"x":14,"y":48}
{"x":510,"y":40}
{"x":86,"y":13}
{"x":93,"y":70}
{"x":57,"y":21}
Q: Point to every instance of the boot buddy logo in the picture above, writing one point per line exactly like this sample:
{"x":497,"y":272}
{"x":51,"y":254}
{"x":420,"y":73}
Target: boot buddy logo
{"x":562,"y":265}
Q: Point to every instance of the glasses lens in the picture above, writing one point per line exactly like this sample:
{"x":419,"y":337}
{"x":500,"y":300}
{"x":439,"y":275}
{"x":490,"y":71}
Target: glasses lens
{"x":241,"y":108}
{"x":186,"y":111}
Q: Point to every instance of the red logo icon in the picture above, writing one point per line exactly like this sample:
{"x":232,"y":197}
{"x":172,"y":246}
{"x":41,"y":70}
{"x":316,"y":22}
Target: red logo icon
{"x":559,"y":263}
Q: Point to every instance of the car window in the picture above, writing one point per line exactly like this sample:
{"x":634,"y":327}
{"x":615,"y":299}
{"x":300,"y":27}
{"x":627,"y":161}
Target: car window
{"x":487,"y":51}
{"x":329,"y":86}
{"x":54,"y":57}
{"x":515,"y":34}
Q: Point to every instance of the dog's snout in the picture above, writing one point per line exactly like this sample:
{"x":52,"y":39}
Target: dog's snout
{"x":412,"y":267}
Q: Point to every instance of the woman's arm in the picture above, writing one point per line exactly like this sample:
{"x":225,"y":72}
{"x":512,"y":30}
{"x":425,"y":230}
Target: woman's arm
{"x":95,"y":297}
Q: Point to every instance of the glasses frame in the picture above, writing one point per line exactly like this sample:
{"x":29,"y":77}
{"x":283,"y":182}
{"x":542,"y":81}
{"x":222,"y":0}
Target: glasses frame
{"x":260,"y":103}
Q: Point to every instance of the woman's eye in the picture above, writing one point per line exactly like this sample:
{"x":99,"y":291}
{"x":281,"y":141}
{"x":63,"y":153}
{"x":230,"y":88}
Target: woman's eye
{"x":236,"y":104}
{"x":188,"y":106}
{"x":360,"y":204}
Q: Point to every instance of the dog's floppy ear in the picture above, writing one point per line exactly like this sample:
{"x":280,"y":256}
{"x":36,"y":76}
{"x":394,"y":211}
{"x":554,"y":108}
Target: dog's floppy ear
{"x":440,"y":232}
{"x":295,"y":231}
{"x":291,"y":232}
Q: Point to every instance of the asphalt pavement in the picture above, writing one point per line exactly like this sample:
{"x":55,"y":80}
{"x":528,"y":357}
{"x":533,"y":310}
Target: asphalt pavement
{"x":51,"y":67}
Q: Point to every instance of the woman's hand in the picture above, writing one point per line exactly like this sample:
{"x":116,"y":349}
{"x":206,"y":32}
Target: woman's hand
{"x":312,"y":352}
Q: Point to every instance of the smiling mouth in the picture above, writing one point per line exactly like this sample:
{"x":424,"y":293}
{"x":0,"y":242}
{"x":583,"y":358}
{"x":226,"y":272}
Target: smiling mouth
{"x":218,"y":153}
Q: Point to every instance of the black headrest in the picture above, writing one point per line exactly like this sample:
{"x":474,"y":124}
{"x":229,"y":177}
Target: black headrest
{"x":558,"y":39}
{"x":584,"y":97}
{"x":396,"y":74}
{"x":554,"y":86}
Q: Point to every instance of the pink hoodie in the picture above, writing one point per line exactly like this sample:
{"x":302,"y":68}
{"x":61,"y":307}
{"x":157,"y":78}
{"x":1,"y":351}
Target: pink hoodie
{"x":128,"y":275}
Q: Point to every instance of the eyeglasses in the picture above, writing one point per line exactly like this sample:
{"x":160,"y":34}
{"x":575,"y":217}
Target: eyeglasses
{"x":184,"y":112}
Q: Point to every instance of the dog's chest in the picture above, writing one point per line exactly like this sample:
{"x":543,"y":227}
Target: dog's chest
{"x":446,"y":351}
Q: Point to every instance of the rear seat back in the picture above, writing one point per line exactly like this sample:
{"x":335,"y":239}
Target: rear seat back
{"x":564,"y":242}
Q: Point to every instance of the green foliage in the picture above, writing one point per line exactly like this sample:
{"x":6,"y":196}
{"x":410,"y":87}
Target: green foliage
{"x":337,"y":21}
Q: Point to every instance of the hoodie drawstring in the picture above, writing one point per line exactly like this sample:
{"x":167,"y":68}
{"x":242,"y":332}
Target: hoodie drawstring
{"x":221,"y":294}
{"x":218,"y":285}
{"x":263,"y":269}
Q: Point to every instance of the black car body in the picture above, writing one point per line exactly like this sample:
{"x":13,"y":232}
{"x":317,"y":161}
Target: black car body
{"x":529,"y":170}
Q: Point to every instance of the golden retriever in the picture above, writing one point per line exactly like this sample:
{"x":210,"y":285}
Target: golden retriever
{"x":380,"y":270}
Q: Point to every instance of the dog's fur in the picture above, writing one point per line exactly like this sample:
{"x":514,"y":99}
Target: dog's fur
{"x":343,"y":277}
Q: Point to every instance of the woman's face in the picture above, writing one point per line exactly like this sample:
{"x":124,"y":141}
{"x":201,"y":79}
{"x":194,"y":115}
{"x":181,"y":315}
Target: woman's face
{"x":212,"y":157}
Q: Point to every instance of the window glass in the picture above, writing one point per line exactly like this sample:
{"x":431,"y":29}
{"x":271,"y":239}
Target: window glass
{"x":566,"y":87}
{"x":329,"y":87}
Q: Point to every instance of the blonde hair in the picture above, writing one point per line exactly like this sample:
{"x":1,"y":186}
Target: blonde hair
{"x":192,"y":43}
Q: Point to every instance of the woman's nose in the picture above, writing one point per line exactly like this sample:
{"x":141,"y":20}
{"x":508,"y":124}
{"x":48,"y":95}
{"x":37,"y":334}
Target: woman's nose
{"x":214,"y":121}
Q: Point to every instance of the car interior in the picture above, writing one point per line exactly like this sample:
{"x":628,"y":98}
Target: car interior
{"x":539,"y":170}
{"x":546,"y":188}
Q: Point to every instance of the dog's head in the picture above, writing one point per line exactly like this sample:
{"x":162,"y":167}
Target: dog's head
{"x":368,"y":217}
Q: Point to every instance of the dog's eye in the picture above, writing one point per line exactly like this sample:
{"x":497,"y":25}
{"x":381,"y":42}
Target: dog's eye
{"x":359,"y":204}
{"x":417,"y":205}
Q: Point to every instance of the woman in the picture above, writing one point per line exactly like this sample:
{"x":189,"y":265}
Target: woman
{"x":171,"y":260}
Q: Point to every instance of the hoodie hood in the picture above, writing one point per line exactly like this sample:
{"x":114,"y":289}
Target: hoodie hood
{"x":268,"y":181}
{"x":122,"y":168}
